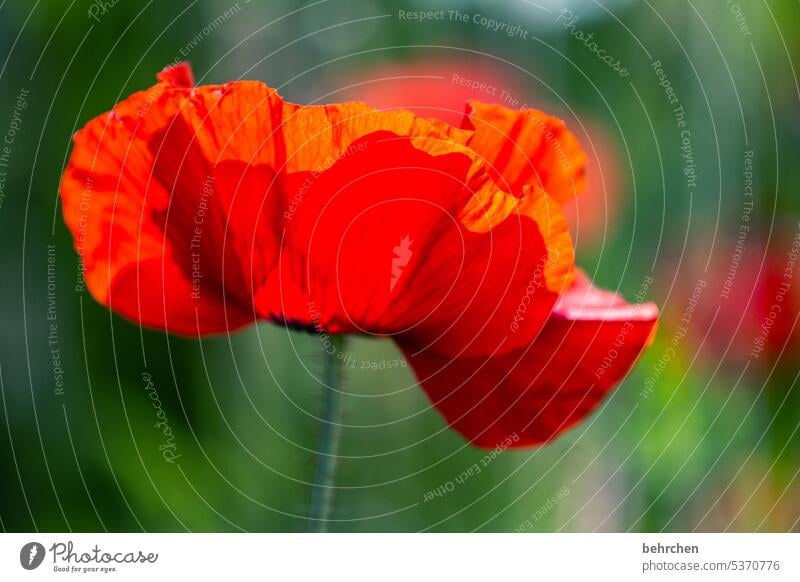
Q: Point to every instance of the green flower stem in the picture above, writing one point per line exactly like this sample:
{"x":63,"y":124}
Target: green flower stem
{"x":322,"y":489}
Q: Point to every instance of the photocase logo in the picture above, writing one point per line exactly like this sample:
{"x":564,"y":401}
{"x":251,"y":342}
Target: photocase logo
{"x":31,"y":555}
{"x":402,"y":255}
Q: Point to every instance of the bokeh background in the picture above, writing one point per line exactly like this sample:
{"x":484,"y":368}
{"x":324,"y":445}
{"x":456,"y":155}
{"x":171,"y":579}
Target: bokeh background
{"x":702,"y":218}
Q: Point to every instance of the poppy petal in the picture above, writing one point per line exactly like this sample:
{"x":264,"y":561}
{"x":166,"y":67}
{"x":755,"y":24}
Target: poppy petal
{"x":534,"y":394}
{"x":504,"y":279}
{"x":406,"y":233}
{"x":527,"y":147}
{"x":135,"y":192}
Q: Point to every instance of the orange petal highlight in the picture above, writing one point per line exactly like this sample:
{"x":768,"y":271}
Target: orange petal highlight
{"x":527,"y":147}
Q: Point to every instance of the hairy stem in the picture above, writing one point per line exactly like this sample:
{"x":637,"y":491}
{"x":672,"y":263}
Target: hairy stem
{"x":322,"y":489}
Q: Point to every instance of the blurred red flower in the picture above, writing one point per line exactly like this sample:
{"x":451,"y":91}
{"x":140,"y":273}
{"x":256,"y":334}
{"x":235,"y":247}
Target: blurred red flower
{"x":433,"y":89}
{"x":201,"y":209}
{"x":750,"y":304}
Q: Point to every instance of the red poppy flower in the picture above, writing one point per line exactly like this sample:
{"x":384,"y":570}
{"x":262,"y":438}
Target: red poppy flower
{"x":201,"y":209}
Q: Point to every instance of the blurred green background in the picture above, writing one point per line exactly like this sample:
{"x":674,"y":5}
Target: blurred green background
{"x":701,"y":436}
